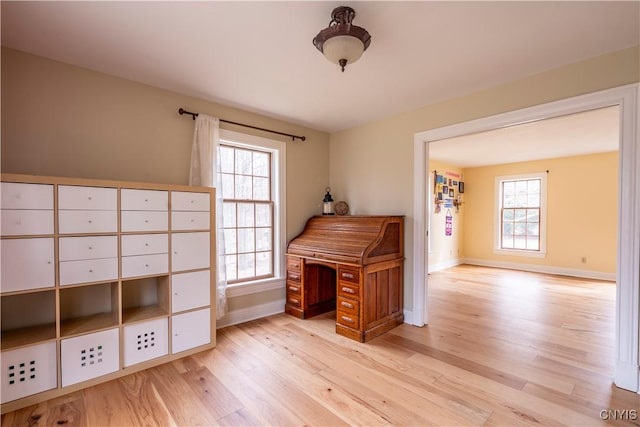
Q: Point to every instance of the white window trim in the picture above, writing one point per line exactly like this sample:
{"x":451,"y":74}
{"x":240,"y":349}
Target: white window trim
{"x":279,"y":190}
{"x":543,"y":216}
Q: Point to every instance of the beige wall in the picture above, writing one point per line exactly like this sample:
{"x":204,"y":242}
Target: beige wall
{"x":371,"y":166}
{"x":582,"y":212}
{"x":445,"y":251}
{"x":62,"y":120}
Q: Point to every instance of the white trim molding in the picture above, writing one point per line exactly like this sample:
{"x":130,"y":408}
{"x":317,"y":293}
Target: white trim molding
{"x":627,"y":346}
{"x":258,"y":286}
{"x":445,"y":264}
{"x":545,"y":269}
{"x":251,"y":313}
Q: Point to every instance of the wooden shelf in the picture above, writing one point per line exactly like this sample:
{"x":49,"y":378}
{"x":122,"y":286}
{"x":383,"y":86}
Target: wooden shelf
{"x":33,"y":334}
{"x":135,"y":314}
{"x":80,"y":325}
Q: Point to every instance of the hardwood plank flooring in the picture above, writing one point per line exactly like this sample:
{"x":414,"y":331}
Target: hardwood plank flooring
{"x":503,"y":348}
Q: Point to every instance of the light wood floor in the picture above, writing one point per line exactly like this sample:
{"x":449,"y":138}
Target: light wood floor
{"x":502,"y":348}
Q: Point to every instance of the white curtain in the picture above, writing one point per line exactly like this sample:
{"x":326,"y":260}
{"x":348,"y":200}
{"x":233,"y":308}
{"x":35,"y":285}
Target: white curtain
{"x":204,"y":167}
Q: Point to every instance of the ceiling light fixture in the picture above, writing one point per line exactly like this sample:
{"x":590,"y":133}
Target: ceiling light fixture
{"x":341,"y":42}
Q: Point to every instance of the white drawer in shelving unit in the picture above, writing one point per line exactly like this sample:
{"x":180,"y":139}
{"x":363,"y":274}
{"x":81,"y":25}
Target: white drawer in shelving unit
{"x":88,"y":270}
{"x":145,"y":244}
{"x":27,"y":264}
{"x":92,"y":247}
{"x":28,"y":370}
{"x":186,"y":220}
{"x":145,"y":265}
{"x":26,"y":196}
{"x":87,"y":221}
{"x":190,"y":330}
{"x":190,"y":290}
{"x":26,"y":222}
{"x":144,"y":200}
{"x":145,"y":341}
{"x":87,"y":198}
{"x":144,"y":221}
{"x":89,"y":356}
{"x":190,"y":251}
{"x":187,"y":201}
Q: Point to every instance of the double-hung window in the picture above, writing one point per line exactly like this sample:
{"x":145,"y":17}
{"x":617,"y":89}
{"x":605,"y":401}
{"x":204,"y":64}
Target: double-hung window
{"x":521,"y":214}
{"x":252,"y":184}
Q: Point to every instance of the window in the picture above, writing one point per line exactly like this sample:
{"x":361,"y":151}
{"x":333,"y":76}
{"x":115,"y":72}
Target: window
{"x":521,"y":214}
{"x":252,"y":184}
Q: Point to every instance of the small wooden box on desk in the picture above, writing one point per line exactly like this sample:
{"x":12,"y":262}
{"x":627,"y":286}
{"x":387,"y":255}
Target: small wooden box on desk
{"x":351,"y":264}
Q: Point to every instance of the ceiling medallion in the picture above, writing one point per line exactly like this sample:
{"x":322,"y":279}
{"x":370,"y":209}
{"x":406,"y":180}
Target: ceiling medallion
{"x":342,"y":42}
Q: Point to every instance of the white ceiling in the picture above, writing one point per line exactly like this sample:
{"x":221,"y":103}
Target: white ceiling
{"x":258,"y":56}
{"x":594,"y":131}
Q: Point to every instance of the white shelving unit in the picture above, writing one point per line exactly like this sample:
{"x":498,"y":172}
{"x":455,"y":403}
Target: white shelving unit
{"x":100,"y":279}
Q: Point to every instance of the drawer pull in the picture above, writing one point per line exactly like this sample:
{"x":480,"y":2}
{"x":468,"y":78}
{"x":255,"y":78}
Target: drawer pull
{"x":90,"y":248}
{"x":18,"y":222}
{"x":90,"y":222}
{"x":348,"y":275}
{"x":146,"y":244}
{"x":347,"y":319}
{"x":346,"y":304}
{"x":348,"y":290}
{"x":147,"y":265}
{"x":293,"y":300}
{"x":90,"y":271}
{"x":146,"y":200}
{"x":294,"y":289}
{"x":89,"y":198}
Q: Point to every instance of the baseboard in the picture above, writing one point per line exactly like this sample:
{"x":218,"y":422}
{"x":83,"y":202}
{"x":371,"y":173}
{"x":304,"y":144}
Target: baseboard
{"x":627,"y":376}
{"x":445,"y":264}
{"x":547,"y":269}
{"x":251,"y":313}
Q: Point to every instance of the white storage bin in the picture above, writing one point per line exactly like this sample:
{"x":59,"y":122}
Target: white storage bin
{"x":143,"y":200}
{"x":190,"y":290}
{"x":27,"y":264}
{"x":26,"y":222}
{"x":187,"y":201}
{"x":190,"y":330}
{"x":144,"y":221}
{"x":29,"y":370}
{"x":16,"y":195}
{"x":83,"y":221}
{"x":145,"y":244}
{"x":89,"y":270}
{"x":145,"y":341}
{"x":190,"y":220}
{"x":145,"y":265}
{"x":91,"y":247}
{"x":89,"y":356}
{"x":87,"y":198}
{"x":190,"y":251}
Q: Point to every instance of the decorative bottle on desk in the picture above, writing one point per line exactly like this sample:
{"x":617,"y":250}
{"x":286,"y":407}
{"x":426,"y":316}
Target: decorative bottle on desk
{"x":327,"y":203}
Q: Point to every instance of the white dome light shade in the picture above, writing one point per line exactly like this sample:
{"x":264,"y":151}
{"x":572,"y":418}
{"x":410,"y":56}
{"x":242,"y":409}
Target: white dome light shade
{"x":342,"y":42}
{"x":343,"y":47}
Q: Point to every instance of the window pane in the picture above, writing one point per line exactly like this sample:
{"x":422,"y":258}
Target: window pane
{"x":229,"y":214}
{"x":243,"y":162}
{"x":231,"y":262}
{"x":230,"y":241}
{"x":521,"y":187}
{"x":261,"y":164}
{"x":521,"y":200}
{"x":520,"y":214}
{"x":534,"y":186}
{"x":507,"y":215}
{"x":508,"y":188}
{"x":228,"y":186}
{"x":519,"y":229}
{"x":507,"y":228}
{"x":507,"y":241}
{"x":246,"y":240}
{"x":226,"y":159}
{"x":263,"y":215}
{"x":246,"y":265}
{"x":533,"y":215}
{"x":246,"y":215}
{"x":260,"y":188}
{"x":263,"y":264}
{"x":520,"y":242}
{"x":263,"y":239}
{"x":533,"y":245}
{"x":533,"y":229}
{"x":244,"y":189}
{"x":509,"y":201}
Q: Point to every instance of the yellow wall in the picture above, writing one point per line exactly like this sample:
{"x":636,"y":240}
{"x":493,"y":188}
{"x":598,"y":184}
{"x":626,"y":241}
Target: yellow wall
{"x":62,"y":120}
{"x":372,"y":165}
{"x":445,"y":251}
{"x":582,"y":212}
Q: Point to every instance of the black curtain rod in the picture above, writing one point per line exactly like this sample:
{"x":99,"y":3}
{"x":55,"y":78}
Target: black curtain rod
{"x":182,"y":111}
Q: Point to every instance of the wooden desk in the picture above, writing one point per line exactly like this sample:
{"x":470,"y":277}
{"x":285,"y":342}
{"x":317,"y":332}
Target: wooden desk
{"x":351,"y":264}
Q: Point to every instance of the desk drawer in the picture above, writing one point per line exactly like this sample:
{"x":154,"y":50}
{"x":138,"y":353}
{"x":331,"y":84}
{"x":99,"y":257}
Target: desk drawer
{"x":190,"y":220}
{"x":87,"y":198}
{"x":145,"y":265}
{"x":145,"y":221}
{"x":293,"y":288}
{"x":93,"y":247}
{"x":187,"y":201}
{"x":294,"y":263}
{"x":294,"y":300}
{"x":347,"y":319}
{"x":15,"y":195}
{"x":79,"y":221}
{"x":349,"y":306}
{"x":144,"y":200}
{"x":25,"y":222}
{"x":348,"y":274}
{"x":145,"y":244}
{"x":348,"y":290}
{"x":294,"y":276}
{"x":92,"y":270}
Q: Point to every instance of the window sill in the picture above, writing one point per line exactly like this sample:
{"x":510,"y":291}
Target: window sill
{"x":520,"y":252}
{"x":248,"y":288}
